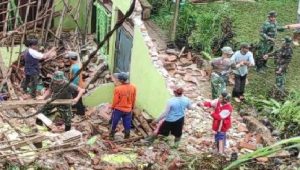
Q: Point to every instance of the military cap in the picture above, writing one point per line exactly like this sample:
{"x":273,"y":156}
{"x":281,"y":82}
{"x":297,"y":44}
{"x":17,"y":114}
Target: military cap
{"x":227,"y":50}
{"x":226,"y":95}
{"x":58,"y":76}
{"x":287,"y":39}
{"x":272,"y":14}
{"x":72,"y":55}
{"x":123,"y":77}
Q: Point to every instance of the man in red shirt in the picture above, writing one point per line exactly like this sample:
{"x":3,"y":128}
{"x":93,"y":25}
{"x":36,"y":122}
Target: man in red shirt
{"x":221,"y":118}
{"x":123,"y":104}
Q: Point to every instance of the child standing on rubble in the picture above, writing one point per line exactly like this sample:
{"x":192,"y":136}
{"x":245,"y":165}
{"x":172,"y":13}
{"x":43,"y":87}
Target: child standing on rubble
{"x":221,"y":118}
{"x":173,"y":117}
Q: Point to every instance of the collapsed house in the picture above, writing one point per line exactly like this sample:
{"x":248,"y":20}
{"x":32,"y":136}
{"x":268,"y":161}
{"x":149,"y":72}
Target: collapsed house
{"x":59,"y":23}
{"x":79,"y":26}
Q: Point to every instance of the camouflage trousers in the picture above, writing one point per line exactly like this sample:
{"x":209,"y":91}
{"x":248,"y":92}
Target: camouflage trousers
{"x":64,"y":110}
{"x":280,"y":81}
{"x":264,"y":47}
{"x":218,"y":85}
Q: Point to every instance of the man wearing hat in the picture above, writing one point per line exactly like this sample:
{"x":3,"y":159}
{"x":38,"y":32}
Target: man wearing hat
{"x":221,"y":67}
{"x":78,"y":81}
{"x":55,"y":91}
{"x":283,"y":57}
{"x":242,"y":60}
{"x":123,"y":104}
{"x":32,"y":59}
{"x":267,"y":41}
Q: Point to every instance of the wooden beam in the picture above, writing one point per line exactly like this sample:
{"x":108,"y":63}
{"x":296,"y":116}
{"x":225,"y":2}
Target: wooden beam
{"x":11,"y":104}
{"x":45,"y":120}
{"x":23,"y":142}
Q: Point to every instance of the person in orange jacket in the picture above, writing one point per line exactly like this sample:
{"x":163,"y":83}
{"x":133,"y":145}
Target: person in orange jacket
{"x":123,"y":104}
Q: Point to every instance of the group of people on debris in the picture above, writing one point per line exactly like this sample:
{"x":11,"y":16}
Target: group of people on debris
{"x":172,"y":119}
{"x":60,"y":88}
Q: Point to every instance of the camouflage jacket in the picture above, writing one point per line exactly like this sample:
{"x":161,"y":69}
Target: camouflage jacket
{"x":283,"y":57}
{"x":269,"y":30}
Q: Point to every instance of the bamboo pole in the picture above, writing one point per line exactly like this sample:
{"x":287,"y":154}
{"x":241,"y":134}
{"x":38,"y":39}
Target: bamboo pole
{"x":76,"y":38}
{"x":37,"y":13}
{"x":59,"y":28}
{"x":25,"y":30}
{"x":49,"y":22}
{"x":174,"y":23}
{"x":44,"y":22}
{"x":21,"y":6}
{"x":13,"y":39}
{"x":3,"y":3}
{"x":6,"y":17}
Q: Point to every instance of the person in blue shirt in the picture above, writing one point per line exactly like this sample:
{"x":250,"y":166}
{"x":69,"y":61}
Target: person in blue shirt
{"x":242,"y":60}
{"x":75,"y":67}
{"x":173,"y":116}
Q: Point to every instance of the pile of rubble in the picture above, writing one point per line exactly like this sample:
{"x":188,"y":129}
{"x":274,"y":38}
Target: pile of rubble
{"x":96,"y":73}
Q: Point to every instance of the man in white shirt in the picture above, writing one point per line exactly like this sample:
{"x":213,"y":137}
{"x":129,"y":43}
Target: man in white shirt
{"x":32,"y":66}
{"x":242,"y":60}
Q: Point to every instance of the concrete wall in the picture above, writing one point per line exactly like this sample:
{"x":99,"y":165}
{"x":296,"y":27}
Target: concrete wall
{"x":151,"y":86}
{"x":152,"y":92}
{"x":102,"y":94}
{"x":122,"y":5}
{"x":69,"y":23}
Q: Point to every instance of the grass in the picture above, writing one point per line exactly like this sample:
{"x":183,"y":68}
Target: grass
{"x":247,"y":20}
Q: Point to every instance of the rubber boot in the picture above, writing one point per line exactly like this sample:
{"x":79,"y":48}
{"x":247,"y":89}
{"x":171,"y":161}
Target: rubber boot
{"x":38,"y":122}
{"x":112,"y":135}
{"x":150,"y":139}
{"x":67,"y":128}
{"x":176,"y":143}
{"x":127,"y":135}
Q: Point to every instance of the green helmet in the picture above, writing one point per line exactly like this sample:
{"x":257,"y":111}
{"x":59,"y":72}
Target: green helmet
{"x":58,"y":76}
{"x":272,"y":14}
{"x":287,"y":40}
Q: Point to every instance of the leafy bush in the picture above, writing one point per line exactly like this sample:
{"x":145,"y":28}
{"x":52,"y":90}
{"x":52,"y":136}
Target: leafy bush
{"x":196,"y":26}
{"x":285,"y":116}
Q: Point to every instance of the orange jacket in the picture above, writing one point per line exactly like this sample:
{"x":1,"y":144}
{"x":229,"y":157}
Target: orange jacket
{"x":124,"y":97}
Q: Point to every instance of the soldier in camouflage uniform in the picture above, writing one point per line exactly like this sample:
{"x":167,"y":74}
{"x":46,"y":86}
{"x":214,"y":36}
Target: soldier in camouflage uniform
{"x":282,"y":58}
{"x":266,"y":44}
{"x":58,"y":82}
{"x":221,"y":67}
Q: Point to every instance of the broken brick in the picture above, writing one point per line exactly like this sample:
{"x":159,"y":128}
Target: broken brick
{"x":258,"y":138}
{"x":169,"y":66}
{"x":171,"y":58}
{"x":95,"y":161}
{"x":247,"y":137}
{"x":247,"y":146}
{"x":262,"y":159}
{"x":242,"y":128}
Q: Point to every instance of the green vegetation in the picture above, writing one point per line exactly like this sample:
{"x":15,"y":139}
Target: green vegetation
{"x":285,"y":116}
{"x":201,"y":24}
{"x":266,"y":151}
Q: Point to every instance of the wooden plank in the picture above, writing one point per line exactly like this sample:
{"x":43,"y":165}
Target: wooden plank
{"x":147,"y":7}
{"x":2,"y":66}
{"x":23,"y":142}
{"x":11,"y":89}
{"x":11,"y":104}
{"x":45,"y":120}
